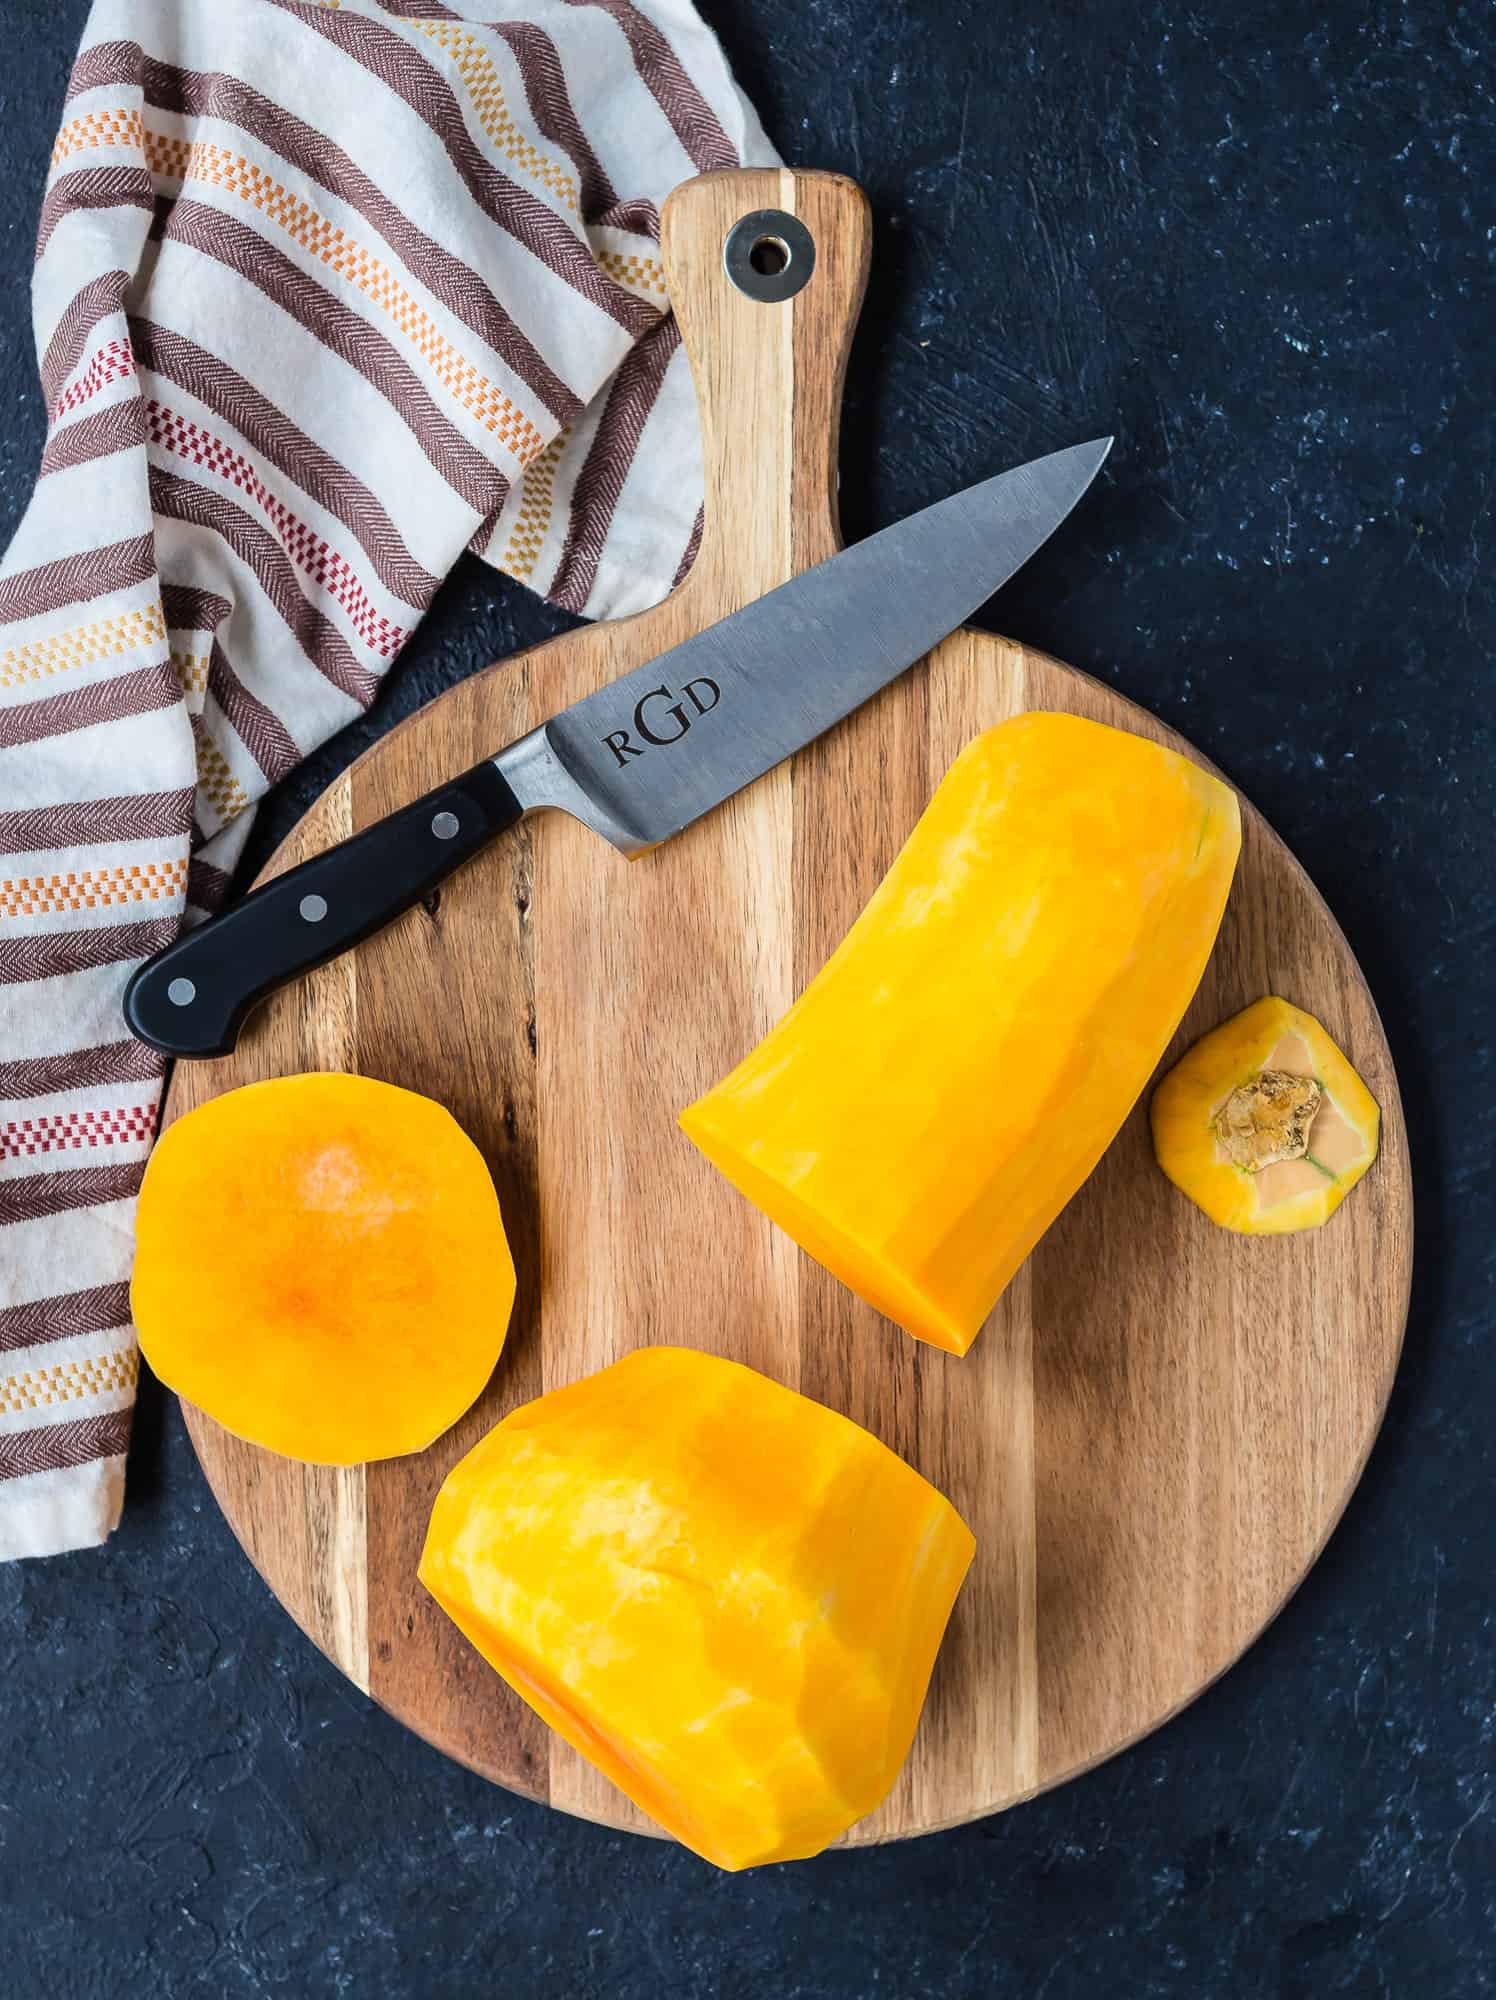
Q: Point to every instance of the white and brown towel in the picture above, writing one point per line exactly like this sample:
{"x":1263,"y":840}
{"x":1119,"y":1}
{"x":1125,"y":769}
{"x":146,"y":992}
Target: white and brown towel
{"x":326,"y":292}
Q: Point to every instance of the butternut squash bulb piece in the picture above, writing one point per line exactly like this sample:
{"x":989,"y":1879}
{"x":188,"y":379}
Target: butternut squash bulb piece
{"x":724,"y":1595}
{"x":321,"y":1266}
{"x":1264,"y":1124}
{"x":944,"y":1085}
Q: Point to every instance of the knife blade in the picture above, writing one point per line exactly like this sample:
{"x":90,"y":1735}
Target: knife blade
{"x":640,"y":759}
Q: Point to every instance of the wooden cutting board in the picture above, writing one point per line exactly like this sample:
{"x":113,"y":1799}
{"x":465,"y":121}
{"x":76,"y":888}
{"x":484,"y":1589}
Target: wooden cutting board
{"x":1162,"y":1422}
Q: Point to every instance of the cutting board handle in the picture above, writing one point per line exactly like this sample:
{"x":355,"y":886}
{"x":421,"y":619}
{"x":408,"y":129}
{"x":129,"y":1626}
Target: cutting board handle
{"x":768,"y":368}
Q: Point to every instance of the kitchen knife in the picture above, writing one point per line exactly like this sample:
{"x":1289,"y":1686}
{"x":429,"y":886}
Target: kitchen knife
{"x":641,"y":758}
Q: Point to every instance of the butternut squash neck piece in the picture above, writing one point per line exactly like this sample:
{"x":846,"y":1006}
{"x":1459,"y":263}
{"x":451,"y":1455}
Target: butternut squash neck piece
{"x":321,"y":1266}
{"x":725,"y":1596}
{"x":1264,"y":1124}
{"x":953,"y":1074}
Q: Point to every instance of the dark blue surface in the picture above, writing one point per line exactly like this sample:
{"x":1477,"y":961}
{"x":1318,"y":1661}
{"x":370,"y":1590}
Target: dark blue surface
{"x":1261,"y":252}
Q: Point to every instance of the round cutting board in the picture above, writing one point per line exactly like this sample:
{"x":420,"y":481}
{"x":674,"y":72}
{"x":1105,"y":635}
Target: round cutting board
{"x":1159,"y":1426}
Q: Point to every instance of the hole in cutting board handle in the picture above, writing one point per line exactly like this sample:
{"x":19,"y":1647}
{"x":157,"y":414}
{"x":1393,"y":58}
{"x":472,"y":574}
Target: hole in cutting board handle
{"x":769,"y":255}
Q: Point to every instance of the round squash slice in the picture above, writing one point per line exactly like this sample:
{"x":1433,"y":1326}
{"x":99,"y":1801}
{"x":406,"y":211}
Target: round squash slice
{"x":321,"y":1266}
{"x":725,"y":1596}
{"x":1264,"y":1124}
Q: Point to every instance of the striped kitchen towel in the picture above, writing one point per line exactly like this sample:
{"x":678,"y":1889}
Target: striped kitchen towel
{"x":326,"y":292}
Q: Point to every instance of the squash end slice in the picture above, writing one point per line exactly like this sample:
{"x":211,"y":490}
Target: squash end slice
{"x":1267,"y":1169}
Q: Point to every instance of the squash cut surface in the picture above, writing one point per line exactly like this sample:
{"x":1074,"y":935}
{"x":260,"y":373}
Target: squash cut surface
{"x":1264,"y":1124}
{"x":321,"y":1266}
{"x":952,"y":1075}
{"x":726,"y":1596}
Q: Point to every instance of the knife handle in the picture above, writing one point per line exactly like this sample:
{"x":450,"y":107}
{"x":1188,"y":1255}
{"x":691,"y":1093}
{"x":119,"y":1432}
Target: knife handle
{"x":193,"y":998}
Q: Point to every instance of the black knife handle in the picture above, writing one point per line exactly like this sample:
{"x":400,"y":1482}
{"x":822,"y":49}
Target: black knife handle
{"x":192,"y":998}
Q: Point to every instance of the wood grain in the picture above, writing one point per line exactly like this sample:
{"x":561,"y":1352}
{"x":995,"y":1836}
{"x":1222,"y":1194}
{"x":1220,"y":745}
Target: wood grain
{"x":1161,"y":1423}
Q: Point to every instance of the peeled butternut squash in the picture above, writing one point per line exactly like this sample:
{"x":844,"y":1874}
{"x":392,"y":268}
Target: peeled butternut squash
{"x":951,"y":1076}
{"x":1264,"y":1124}
{"x":321,"y":1266}
{"x":724,"y":1595}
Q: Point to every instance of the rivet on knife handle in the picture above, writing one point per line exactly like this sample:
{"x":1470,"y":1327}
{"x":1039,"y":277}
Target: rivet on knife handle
{"x":193,"y":998}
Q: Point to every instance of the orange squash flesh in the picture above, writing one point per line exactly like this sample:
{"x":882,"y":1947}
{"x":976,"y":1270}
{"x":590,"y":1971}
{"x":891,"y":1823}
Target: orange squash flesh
{"x":1302,"y":1182}
{"x":321,"y":1267}
{"x":952,"y":1075}
{"x":727,"y":1597}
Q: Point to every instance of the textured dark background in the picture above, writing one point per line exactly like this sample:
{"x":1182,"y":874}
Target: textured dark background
{"x":1260,"y":250}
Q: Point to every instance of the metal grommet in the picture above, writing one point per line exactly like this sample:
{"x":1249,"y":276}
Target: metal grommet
{"x":444,"y":826}
{"x":181,"y":993}
{"x":313,"y":909}
{"x":769,"y":255}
